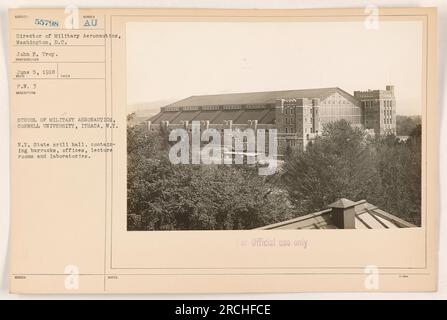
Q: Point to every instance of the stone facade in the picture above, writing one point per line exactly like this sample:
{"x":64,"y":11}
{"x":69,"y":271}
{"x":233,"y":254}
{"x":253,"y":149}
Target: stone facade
{"x":298,"y":115}
{"x":379,"y":109}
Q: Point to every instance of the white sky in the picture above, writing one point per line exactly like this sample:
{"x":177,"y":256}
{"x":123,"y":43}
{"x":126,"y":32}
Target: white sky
{"x":167,"y":60}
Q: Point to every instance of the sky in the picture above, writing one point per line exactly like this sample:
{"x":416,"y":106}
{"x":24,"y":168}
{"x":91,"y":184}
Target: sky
{"x":168,"y":61}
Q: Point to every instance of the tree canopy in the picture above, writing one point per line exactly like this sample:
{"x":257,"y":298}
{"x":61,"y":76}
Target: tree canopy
{"x":163,"y":196}
{"x":344,"y":162}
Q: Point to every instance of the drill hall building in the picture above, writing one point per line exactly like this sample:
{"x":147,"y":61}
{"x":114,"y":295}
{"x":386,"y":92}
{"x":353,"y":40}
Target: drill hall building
{"x":297,"y":115}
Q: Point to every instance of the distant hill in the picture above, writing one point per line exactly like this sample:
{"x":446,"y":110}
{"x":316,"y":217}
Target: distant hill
{"x":144,"y":110}
{"x":153,"y":106}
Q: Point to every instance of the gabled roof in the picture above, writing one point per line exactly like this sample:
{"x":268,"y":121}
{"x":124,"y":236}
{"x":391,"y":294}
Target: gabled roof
{"x":264,"y":116}
{"x":262,"y":97}
{"x":367,"y":216}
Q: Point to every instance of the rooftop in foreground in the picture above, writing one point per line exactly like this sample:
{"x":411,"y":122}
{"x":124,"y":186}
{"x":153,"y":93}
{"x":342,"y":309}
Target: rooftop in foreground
{"x":344,"y":214}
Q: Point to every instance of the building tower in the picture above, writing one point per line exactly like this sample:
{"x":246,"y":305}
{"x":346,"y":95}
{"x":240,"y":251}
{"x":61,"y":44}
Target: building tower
{"x":378,"y":109}
{"x":297,"y":120}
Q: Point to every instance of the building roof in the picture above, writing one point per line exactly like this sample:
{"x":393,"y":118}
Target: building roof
{"x":367,"y":216}
{"x":176,"y":112}
{"x":342,"y":203}
{"x":262,"y":97}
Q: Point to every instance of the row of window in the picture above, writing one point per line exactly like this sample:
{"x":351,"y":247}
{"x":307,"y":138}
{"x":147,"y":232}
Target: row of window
{"x":340,"y":111}
{"x":231,"y":107}
{"x":210,"y":108}
{"x":293,"y":130}
{"x":194,"y":108}
{"x":292,"y":120}
{"x":336,"y":98}
{"x":292,"y":111}
{"x":388,"y":103}
{"x":289,"y":120}
{"x":369,"y":103}
{"x":293,"y":143}
{"x":354,"y":119}
{"x":336,"y":102}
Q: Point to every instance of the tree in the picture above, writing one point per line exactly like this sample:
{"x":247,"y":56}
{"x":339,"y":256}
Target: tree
{"x":163,"y":196}
{"x":399,"y":169}
{"x":339,"y":164}
{"x":346,"y":163}
{"x":405,"y":124}
{"x":342,"y":163}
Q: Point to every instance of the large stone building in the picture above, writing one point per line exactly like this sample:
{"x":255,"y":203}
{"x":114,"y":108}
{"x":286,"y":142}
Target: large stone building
{"x":298,"y":115}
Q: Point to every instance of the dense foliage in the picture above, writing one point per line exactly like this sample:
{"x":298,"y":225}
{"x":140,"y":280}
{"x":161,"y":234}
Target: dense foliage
{"x":344,"y":162}
{"x":406,"y":124}
{"x":399,"y":169}
{"x":162,"y":196}
{"x":338,"y":164}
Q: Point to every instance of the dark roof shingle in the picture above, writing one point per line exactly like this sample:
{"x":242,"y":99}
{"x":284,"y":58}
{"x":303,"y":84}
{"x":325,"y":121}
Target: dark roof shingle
{"x":262,"y":97}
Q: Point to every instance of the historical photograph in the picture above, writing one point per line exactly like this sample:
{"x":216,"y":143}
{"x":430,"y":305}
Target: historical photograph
{"x":264,"y":125}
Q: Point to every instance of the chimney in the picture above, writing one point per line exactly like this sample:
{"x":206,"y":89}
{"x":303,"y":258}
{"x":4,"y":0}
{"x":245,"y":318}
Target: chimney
{"x":343,"y":213}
